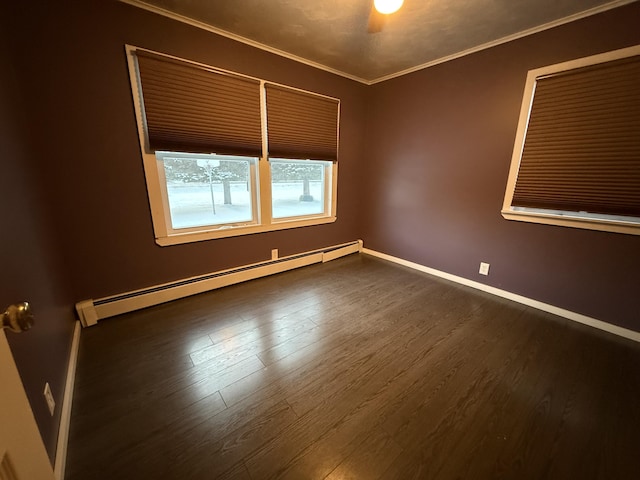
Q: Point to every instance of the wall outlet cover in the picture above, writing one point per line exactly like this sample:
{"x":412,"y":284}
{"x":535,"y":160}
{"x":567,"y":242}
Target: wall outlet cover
{"x":484,"y":268}
{"x":51,"y":403}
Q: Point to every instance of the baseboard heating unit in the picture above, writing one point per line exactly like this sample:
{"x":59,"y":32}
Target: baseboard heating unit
{"x":91,"y":311}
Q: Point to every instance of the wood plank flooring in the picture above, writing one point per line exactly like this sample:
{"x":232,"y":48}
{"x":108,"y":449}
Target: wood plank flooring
{"x":353,"y":369}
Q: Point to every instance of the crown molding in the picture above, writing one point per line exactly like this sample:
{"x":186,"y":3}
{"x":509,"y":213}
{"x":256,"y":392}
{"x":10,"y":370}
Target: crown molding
{"x":509,"y":38}
{"x":204,"y":26}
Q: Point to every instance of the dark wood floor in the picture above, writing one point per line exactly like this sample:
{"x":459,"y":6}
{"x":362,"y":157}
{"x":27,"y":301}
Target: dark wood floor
{"x":354,"y":369}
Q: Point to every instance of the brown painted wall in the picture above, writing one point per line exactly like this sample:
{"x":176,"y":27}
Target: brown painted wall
{"x":91,"y":156}
{"x":78,"y":196}
{"x":30,"y":268}
{"x":441,"y":144}
{"x":423,"y":166}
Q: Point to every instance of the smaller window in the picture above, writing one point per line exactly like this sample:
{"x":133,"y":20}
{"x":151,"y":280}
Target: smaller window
{"x":300,"y":188}
{"x":576,"y":159}
{"x":208,"y":189}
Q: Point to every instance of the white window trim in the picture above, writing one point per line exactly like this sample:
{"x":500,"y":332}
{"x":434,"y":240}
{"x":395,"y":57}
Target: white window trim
{"x":157,"y":192}
{"x":253,"y":166}
{"x":326,"y":194}
{"x":565,"y":219}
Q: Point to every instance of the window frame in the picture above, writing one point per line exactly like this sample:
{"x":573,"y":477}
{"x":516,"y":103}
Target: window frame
{"x":583,"y":220}
{"x":253,"y":180}
{"x":327,"y":193}
{"x":157,"y":192}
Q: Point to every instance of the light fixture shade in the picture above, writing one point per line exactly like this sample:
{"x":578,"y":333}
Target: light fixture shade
{"x":388,"y":6}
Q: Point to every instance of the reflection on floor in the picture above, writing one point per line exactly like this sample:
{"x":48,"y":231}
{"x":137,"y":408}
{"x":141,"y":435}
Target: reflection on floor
{"x":358,"y":369}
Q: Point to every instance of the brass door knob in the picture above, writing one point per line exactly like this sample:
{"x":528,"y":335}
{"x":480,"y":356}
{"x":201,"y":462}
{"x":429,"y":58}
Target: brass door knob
{"x":18,"y":317}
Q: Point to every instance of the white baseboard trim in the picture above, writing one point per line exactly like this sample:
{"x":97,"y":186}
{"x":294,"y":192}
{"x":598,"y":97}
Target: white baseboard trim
{"x":67,"y":401}
{"x":91,"y":311}
{"x":561,"y":312}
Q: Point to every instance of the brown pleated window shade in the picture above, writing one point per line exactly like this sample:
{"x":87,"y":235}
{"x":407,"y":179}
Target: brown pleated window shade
{"x":191,"y":109}
{"x":301,"y":125}
{"x":582,"y":145}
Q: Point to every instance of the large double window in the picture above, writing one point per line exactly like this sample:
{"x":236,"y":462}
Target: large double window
{"x":225,"y":154}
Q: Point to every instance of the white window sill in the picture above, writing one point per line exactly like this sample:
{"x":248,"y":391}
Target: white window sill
{"x":575,"y":222}
{"x":201,"y":235}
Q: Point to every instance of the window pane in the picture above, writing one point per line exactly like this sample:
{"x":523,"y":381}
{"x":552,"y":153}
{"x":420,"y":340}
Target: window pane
{"x":297,"y":187}
{"x":207,"y":189}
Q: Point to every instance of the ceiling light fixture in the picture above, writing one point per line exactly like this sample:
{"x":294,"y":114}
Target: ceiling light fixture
{"x":388,"y":6}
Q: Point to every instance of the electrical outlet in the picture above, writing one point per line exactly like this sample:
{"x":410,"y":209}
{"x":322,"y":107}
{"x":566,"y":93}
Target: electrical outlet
{"x":484,"y":268}
{"x":49,"y":397}
{"x":274,"y":254}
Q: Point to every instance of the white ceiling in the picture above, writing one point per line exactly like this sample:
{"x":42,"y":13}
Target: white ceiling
{"x":332,"y":34}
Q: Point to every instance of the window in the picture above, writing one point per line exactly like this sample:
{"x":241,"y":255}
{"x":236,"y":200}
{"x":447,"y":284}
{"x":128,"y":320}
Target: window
{"x":228,"y":155}
{"x":299,"y":188}
{"x":209,"y":190}
{"x":576,"y":160}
